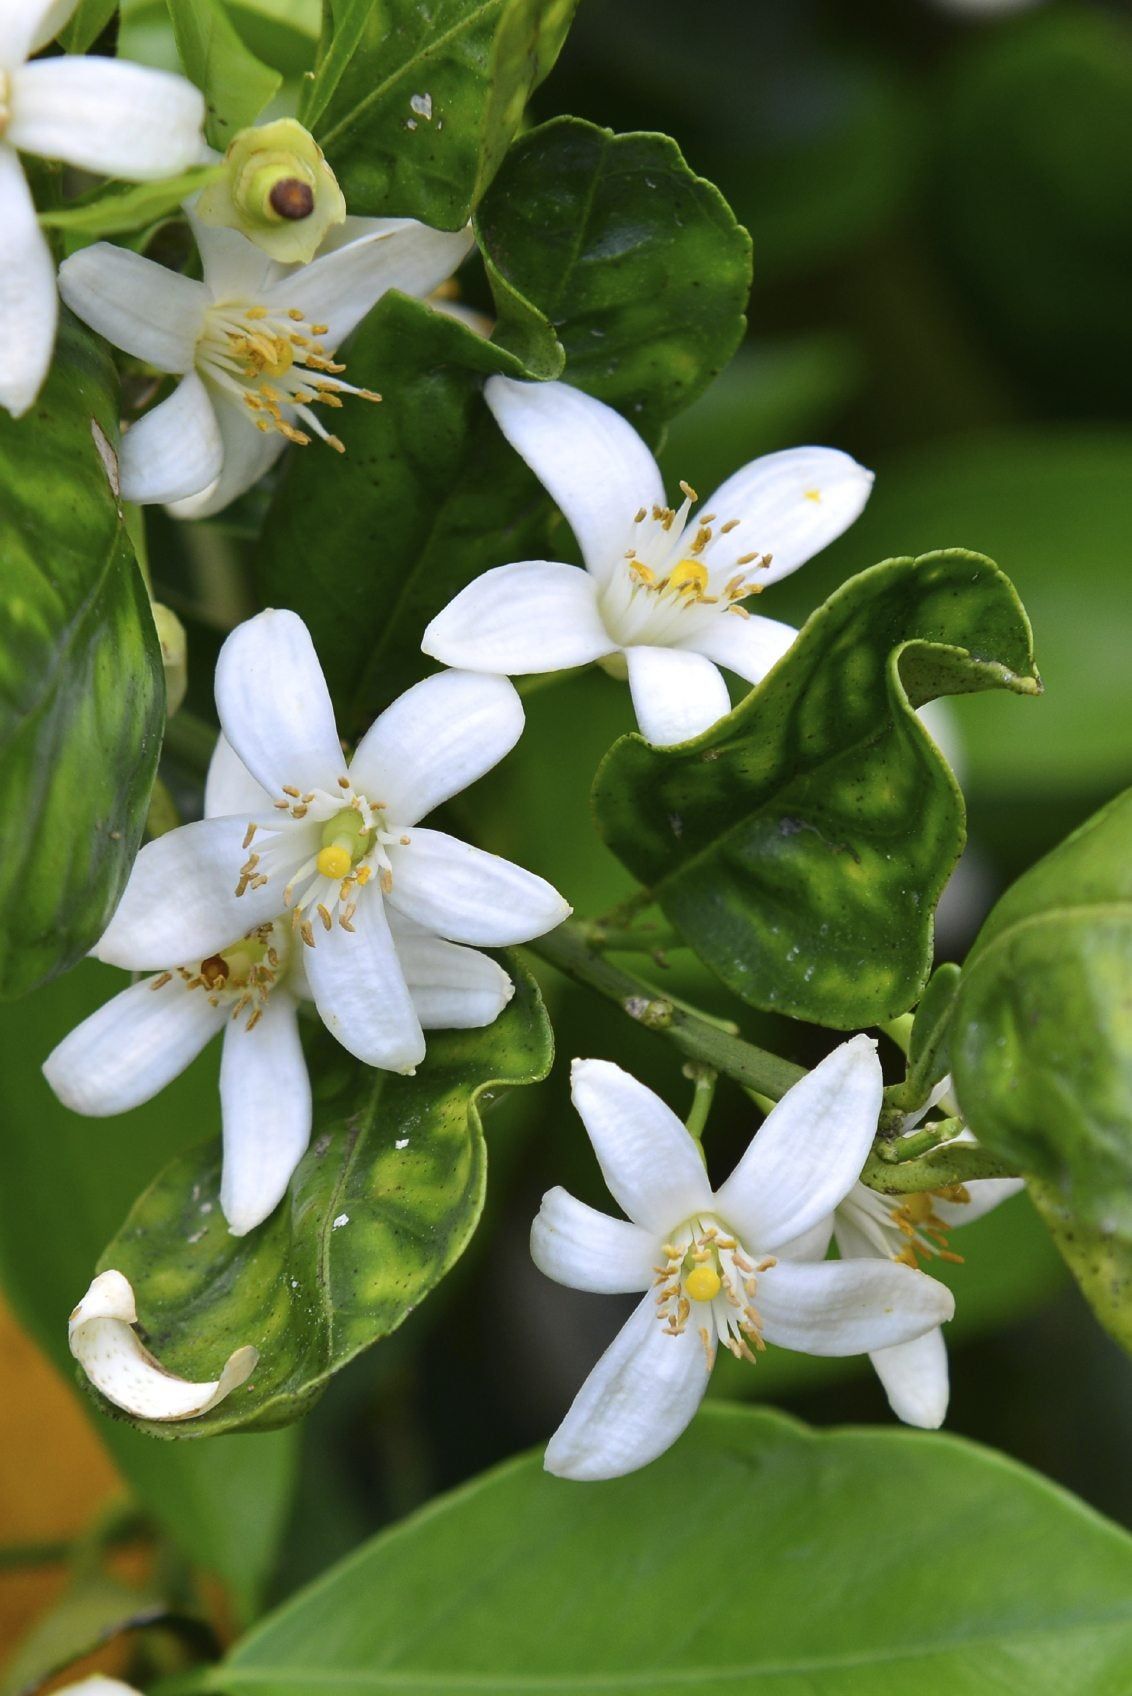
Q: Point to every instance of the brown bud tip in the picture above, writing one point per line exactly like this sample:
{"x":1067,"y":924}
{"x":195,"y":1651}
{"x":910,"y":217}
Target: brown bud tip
{"x":292,"y":198}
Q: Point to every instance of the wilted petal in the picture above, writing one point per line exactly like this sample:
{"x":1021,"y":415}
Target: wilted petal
{"x":750,"y":647}
{"x":587,"y":1250}
{"x":108,"y":1349}
{"x":132,"y":1047}
{"x":174,"y":450}
{"x":466,"y":895}
{"x":642,"y":1394}
{"x":139,"y":306}
{"x":107,"y":115}
{"x":677,"y":694}
{"x":915,"y":1379}
{"x":789,"y":505}
{"x":650,"y":1163}
{"x":436,"y":739}
{"x":274,"y":705}
{"x":593,"y":463}
{"x":841,"y":1307}
{"x":361,"y":993}
{"x":28,"y":303}
{"x":809,"y":1153}
{"x":265,"y":1097}
{"x":533,"y":616}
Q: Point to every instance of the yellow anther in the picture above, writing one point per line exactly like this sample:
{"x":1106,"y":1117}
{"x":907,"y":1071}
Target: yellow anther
{"x":334,"y":861}
{"x":689,"y":578}
{"x":918,"y":1207}
{"x":703,"y":1283}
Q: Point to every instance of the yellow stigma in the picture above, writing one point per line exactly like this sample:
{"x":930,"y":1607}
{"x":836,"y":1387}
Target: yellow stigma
{"x":689,"y":578}
{"x":334,"y":860}
{"x":703,"y":1283}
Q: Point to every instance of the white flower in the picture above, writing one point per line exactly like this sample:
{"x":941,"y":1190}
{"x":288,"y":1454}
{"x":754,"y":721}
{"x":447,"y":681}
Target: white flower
{"x":118,"y":119}
{"x":337,"y":846}
{"x":661,"y":597}
{"x":253,"y":344}
{"x":97,"y":1685}
{"x":709,"y":1261}
{"x":909,"y":1229}
{"x":103,"y":1340}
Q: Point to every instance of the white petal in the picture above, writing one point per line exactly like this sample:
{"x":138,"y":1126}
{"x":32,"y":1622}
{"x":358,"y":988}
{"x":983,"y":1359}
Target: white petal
{"x":839,"y":1307}
{"x":274,"y":705}
{"x":453,"y":988}
{"x":181,"y":905}
{"x":808,"y":1245}
{"x":265,"y":1097}
{"x":107,"y":115}
{"x":435,"y":739}
{"x":651,"y":1165}
{"x":790,"y":505}
{"x":28,"y":304}
{"x":248,"y":454}
{"x":45,"y":18}
{"x":98,"y":1686}
{"x":750,"y":647}
{"x":915,"y":1379}
{"x":676,"y":694}
{"x":467,"y":895}
{"x":587,"y":1250}
{"x":175,"y":449}
{"x":586,"y":456}
{"x":341,"y":283}
{"x":108,"y":1349}
{"x":642,"y":1394}
{"x":808,"y":1154}
{"x":535,"y":615}
{"x":131,"y":1047}
{"x":361,"y":994}
{"x":984,"y":1193}
{"x":230,"y":786}
{"x":141,"y":307}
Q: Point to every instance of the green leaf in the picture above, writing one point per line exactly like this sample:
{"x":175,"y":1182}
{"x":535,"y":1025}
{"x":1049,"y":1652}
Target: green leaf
{"x":801,"y":845}
{"x":756,"y":1556}
{"x":414,"y":106}
{"x":236,"y":85}
{"x":224,"y":1504}
{"x":1041,"y":1038}
{"x":81,"y":694}
{"x":369,"y":545}
{"x":637,"y":263}
{"x":127,"y":207}
{"x":1099,"y":1258}
{"x":379,"y":1209}
{"x":86,"y":24}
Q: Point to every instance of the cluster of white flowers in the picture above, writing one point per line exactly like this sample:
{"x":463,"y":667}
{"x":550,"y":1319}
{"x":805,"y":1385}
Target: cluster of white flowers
{"x":310,"y":876}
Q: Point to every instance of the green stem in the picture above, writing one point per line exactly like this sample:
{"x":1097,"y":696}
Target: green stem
{"x":919,"y":1142}
{"x":900,"y":1031}
{"x":703,"y":1080}
{"x":620,"y":916}
{"x":697,"y":1036}
{"x":648,"y":938}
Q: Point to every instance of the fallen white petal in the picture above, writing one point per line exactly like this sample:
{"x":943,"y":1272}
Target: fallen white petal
{"x":643,"y":1392}
{"x":790,"y":505}
{"x":28,"y":303}
{"x":111,"y":1353}
{"x":587,"y":1250}
{"x":265,"y":1100}
{"x":467,"y":895}
{"x":106,"y":115}
{"x":140,"y":306}
{"x":589,"y":458}
{"x":650,"y":1164}
{"x":532,"y":616}
{"x":436,"y":739}
{"x":129,"y":1049}
{"x":175,"y":449}
{"x":677,"y":694}
{"x":915,"y":1379}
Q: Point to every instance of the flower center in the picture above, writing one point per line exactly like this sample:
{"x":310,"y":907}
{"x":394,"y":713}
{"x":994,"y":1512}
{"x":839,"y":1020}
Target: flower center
{"x":274,"y":362}
{"x":706,"y":1268}
{"x":909,"y":1229}
{"x":243,"y":974}
{"x":346,"y":840}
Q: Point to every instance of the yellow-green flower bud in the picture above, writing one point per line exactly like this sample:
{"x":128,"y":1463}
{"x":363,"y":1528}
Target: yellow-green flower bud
{"x":174,"y":655}
{"x":277,"y":190}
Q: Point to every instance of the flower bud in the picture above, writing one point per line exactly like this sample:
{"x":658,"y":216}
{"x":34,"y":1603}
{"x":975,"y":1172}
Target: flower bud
{"x":174,"y":657}
{"x":277,"y":190}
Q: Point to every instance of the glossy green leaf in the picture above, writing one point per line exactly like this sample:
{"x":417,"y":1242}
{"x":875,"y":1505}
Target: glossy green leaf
{"x":801,"y":845}
{"x":128,"y":207}
{"x":235,"y":84}
{"x":81,"y":696}
{"x":1099,"y":1257}
{"x":637,"y":263}
{"x":86,"y":24}
{"x":1041,"y":1039}
{"x":379,"y":1209}
{"x":414,"y":106}
{"x":223,"y":1504}
{"x":757,"y":1556}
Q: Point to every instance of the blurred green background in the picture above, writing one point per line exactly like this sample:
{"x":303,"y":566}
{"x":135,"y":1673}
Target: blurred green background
{"x":940,"y":199}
